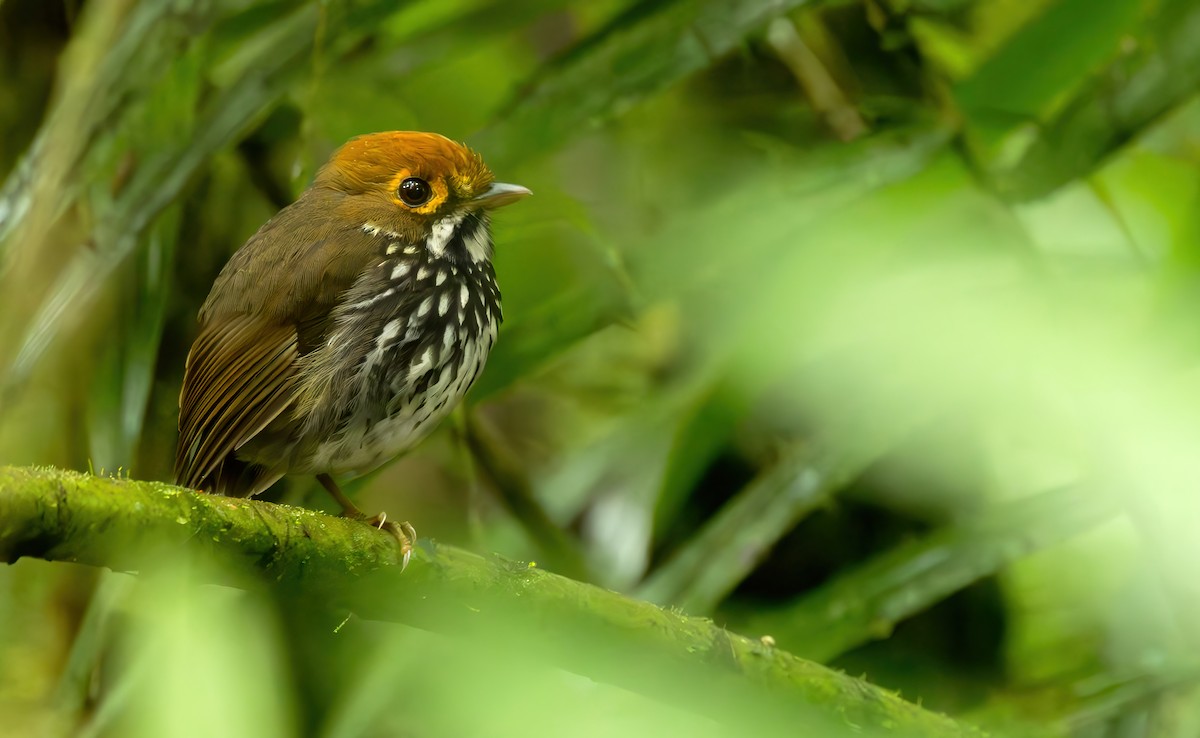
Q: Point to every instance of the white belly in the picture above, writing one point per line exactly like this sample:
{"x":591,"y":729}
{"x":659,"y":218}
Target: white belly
{"x":360,"y":449}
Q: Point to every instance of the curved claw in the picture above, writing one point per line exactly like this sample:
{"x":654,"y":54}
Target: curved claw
{"x":402,"y":532}
{"x":410,"y":534}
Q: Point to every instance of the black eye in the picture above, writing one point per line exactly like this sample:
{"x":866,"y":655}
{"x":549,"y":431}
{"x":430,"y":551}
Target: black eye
{"x":414,"y":192}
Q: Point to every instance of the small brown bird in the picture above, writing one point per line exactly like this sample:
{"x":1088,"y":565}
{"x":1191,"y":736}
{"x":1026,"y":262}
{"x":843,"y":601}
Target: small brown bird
{"x":349,"y":326}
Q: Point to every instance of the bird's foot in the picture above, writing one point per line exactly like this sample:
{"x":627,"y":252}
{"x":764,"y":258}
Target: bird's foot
{"x":403,"y":532}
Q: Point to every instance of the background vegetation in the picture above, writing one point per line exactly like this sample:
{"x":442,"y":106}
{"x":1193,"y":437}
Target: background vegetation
{"x":863,"y":324}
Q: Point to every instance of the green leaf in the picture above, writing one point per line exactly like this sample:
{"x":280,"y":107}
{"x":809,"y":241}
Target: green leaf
{"x":864,"y":603}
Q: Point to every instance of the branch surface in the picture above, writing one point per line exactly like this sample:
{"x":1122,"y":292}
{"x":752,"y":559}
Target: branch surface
{"x":125,"y":525}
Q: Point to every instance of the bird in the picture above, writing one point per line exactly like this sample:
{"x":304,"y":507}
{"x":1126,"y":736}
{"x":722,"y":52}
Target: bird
{"x":349,"y":325}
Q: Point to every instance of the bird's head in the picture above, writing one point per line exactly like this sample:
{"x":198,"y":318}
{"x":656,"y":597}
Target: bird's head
{"x":420,"y":187}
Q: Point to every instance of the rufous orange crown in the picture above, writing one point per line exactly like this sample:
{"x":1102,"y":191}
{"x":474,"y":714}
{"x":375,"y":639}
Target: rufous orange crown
{"x":379,"y":161}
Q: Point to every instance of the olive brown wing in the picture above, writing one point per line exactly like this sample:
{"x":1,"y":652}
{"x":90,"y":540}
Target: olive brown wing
{"x":241,"y":374}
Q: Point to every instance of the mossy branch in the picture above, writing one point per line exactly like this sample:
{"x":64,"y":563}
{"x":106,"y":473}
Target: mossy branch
{"x":124,"y":524}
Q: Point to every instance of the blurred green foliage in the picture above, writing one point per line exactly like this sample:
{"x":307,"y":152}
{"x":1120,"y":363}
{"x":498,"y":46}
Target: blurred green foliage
{"x":865,"y":324}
